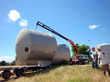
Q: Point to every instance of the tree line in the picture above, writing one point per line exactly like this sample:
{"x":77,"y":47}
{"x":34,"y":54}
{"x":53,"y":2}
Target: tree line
{"x":4,"y":63}
{"x":82,"y":49}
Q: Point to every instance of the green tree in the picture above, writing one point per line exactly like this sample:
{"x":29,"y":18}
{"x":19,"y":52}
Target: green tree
{"x":8,"y":64}
{"x":73,"y":49}
{"x":2,"y":63}
{"x":83,"y":49}
{"x":13,"y":62}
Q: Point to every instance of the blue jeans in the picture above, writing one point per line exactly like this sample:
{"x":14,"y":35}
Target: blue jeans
{"x":95,"y":64}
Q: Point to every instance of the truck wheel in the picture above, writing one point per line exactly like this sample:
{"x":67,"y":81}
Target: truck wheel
{"x":69,"y":63}
{"x":19,"y":73}
{"x":6,"y":74}
{"x":88,"y":62}
{"x":79,"y":63}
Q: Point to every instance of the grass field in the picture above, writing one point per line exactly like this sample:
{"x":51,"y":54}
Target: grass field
{"x":74,"y":73}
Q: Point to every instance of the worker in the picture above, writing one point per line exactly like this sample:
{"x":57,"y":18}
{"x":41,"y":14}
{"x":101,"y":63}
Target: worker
{"x":95,"y":59}
{"x":103,"y":61}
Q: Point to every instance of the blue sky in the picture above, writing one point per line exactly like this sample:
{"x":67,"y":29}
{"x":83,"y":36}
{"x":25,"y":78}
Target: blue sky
{"x":78,"y":20}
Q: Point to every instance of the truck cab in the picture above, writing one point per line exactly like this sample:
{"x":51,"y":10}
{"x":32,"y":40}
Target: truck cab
{"x":82,"y":59}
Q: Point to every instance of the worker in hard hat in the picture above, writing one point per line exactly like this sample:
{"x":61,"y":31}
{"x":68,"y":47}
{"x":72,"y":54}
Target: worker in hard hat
{"x":103,"y":61}
{"x":95,"y":59}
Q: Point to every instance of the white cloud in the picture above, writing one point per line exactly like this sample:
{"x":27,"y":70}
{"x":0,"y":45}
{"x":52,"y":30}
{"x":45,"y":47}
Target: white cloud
{"x":93,"y":26}
{"x":103,"y":30}
{"x":23,"y":22}
{"x":13,"y":15}
{"x":7,"y":58}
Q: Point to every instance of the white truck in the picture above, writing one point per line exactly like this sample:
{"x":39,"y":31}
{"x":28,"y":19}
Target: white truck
{"x":82,"y":59}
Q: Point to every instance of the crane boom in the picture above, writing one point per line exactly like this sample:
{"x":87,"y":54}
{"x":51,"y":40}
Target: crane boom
{"x":53,"y":31}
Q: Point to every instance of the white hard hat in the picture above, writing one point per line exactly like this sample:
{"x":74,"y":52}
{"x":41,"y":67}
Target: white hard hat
{"x":99,"y":47}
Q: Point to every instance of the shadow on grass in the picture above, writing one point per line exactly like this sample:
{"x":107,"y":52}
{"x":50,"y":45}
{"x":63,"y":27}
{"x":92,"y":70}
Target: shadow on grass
{"x":31,"y":74}
{"x":6,"y":80}
{"x":44,"y":71}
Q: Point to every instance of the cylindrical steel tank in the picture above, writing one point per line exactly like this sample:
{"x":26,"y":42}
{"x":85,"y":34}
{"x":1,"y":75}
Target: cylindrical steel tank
{"x":44,"y":63}
{"x":106,"y":48}
{"x":63,"y":53}
{"x":35,"y":45}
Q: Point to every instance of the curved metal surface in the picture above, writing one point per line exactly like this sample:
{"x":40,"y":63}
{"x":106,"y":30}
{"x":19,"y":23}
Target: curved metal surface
{"x":44,"y":63}
{"x":34,"y":45}
{"x":50,"y":46}
{"x":106,"y":49}
{"x":63,"y":53}
{"x":23,"y":40}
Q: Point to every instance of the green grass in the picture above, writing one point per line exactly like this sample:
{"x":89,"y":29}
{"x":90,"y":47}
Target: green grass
{"x":72,"y":73}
